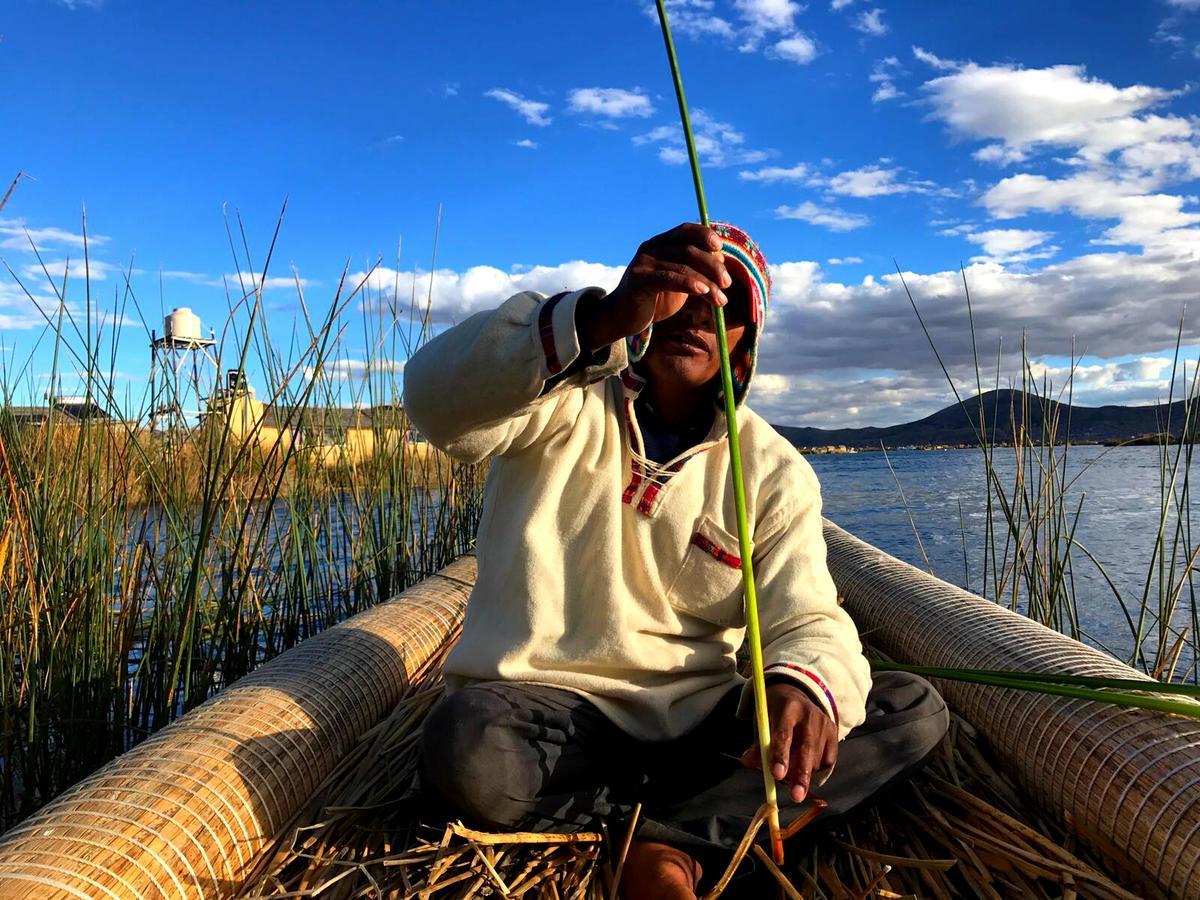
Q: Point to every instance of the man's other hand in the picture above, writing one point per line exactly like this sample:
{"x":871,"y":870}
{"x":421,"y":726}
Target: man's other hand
{"x":803,"y":739}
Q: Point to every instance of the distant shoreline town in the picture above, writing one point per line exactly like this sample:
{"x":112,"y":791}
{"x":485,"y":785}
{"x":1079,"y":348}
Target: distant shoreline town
{"x":1146,"y":440}
{"x":1004,"y":418}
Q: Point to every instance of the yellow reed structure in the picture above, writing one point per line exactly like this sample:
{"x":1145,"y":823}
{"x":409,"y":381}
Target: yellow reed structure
{"x":1126,"y":781}
{"x":185,"y":814}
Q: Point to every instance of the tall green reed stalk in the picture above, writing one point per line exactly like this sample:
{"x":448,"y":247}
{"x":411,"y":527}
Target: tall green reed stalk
{"x":142,"y":569}
{"x":1031,"y":547}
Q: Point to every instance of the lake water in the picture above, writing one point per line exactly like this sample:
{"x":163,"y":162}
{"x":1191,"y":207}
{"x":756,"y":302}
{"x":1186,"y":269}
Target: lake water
{"x":1118,"y":524}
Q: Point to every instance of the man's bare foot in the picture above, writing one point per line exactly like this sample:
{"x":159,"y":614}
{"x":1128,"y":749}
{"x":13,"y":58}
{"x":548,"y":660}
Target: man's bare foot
{"x":656,"y":871}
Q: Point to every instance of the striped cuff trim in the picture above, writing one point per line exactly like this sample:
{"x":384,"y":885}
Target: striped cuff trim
{"x":815,"y":679}
{"x":546,"y":333}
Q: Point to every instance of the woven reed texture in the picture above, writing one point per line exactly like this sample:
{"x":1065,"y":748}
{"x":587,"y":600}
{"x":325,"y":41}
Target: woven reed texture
{"x":185,"y":812}
{"x":1126,"y":781}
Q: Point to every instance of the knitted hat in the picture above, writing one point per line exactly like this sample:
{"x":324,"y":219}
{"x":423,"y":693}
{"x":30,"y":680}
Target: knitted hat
{"x":747,"y":265}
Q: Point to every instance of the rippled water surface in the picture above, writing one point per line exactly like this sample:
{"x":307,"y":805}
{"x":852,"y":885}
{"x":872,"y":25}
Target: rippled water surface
{"x":1118,"y":524}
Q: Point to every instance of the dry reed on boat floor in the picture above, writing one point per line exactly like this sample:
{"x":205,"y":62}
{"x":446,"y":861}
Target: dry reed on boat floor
{"x":959,"y":828}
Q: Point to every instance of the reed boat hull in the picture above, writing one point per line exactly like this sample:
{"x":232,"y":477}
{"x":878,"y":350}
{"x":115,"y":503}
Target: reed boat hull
{"x":188,"y":812}
{"x":1126,"y":781}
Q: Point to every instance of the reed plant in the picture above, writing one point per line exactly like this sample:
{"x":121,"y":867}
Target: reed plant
{"x":148,"y":561}
{"x":1034,"y":503}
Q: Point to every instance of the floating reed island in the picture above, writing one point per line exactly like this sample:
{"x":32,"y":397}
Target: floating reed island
{"x":298,"y":780}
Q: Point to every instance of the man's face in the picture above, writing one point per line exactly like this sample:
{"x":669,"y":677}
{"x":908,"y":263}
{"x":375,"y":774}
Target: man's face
{"x":683,"y":351}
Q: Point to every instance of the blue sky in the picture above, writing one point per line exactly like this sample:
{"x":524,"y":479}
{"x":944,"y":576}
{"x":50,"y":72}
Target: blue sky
{"x":1051,"y":148}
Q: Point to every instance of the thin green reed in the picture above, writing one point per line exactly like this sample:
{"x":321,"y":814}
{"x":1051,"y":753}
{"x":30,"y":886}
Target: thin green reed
{"x":753,"y":637}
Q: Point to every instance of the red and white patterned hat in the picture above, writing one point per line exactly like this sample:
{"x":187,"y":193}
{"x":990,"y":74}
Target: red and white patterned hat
{"x":746,"y":263}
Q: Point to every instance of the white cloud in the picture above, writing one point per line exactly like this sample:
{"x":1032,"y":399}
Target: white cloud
{"x":450,"y":89}
{"x":934,"y":61}
{"x":852,"y":400}
{"x":875,"y":180}
{"x":183,"y":275}
{"x":1149,"y":220}
{"x":532,"y":111}
{"x":883,"y":75}
{"x":825,"y":216}
{"x":1000,"y":154}
{"x":772,"y":22}
{"x":772,"y":15}
{"x":838,"y":5}
{"x":19,"y":313}
{"x":251,"y":280}
{"x":459,"y":294}
{"x":694,"y":18}
{"x":1059,"y":106}
{"x":886,"y":91}
{"x":774,"y":174}
{"x":16,"y":234}
{"x":844,"y":260}
{"x":74,"y":269}
{"x":1097,"y":298}
{"x":355,"y":369}
{"x":613,"y":103}
{"x":235,"y":280}
{"x":526,"y":143}
{"x":872,"y":181}
{"x":1012,"y":244}
{"x":1121,"y":151}
{"x":870,"y":22}
{"x":1134,"y":381}
{"x":718,"y":143}
{"x":1185,"y":4}
{"x":389,"y":141}
{"x":799,"y":48}
{"x":792,"y":282}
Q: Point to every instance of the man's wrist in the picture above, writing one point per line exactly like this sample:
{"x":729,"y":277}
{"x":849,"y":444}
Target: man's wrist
{"x":594,"y":322}
{"x":782,"y":681}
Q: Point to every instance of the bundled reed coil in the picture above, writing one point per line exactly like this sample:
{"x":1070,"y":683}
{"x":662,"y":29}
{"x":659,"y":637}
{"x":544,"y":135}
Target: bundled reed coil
{"x":186,"y":813}
{"x":1126,"y":781}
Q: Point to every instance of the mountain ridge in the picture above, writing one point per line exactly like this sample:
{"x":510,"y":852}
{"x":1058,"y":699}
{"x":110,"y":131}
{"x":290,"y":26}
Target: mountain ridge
{"x":1003,"y":409}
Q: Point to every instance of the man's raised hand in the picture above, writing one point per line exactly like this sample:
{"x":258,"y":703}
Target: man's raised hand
{"x":803,"y":739}
{"x":664,"y":272}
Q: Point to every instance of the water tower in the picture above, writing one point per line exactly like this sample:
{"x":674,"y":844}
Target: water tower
{"x":183,"y":364}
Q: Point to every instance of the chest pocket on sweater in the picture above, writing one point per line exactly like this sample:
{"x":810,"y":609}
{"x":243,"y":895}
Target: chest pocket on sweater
{"x":709,"y":585}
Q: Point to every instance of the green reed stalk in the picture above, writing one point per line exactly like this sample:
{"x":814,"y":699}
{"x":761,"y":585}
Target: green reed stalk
{"x":142,"y":570}
{"x":1117,"y":691}
{"x":735,"y":460}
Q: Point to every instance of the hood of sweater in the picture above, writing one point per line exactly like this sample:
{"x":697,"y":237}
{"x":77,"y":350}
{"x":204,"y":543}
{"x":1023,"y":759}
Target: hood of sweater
{"x":746,"y":263}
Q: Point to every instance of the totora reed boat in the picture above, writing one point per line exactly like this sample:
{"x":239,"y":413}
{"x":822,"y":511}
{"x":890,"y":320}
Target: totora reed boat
{"x":294,"y":781}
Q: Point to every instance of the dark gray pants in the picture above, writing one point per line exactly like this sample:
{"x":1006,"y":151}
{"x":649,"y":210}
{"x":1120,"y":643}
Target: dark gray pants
{"x":511,"y":755}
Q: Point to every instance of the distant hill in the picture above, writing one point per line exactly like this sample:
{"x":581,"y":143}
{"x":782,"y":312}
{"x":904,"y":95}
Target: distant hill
{"x":1003,"y":409}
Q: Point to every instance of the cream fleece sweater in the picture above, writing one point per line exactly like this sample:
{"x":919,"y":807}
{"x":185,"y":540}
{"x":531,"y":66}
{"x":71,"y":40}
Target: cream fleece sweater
{"x":602,"y":572}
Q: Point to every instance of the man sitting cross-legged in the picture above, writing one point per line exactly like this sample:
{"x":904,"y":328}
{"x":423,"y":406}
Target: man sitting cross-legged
{"x":597,"y":664}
